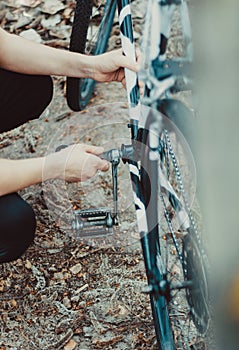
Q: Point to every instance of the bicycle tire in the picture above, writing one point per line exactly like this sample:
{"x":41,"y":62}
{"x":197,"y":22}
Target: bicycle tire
{"x":79,"y":91}
{"x":160,"y":313}
{"x":151,"y":250}
{"x":180,"y":115}
{"x":194,"y":265}
{"x":163,"y":309}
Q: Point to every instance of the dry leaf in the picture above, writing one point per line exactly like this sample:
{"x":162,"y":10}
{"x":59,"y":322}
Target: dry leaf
{"x":52,"y":6}
{"x":122,"y":310}
{"x":20,"y":3}
{"x":13,"y":303}
{"x":32,"y":35}
{"x":76,"y":269}
{"x":71,"y":345}
{"x":28,"y":264}
{"x":51,"y":21}
{"x":22,"y":21}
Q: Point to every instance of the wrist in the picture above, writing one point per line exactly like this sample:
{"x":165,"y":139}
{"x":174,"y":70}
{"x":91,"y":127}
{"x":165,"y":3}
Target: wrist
{"x":82,"y":66}
{"x":51,"y":166}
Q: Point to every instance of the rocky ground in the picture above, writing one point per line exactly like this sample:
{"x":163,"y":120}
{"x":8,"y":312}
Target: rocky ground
{"x":65,"y":293}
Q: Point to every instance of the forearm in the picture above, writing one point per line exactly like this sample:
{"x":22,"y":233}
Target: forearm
{"x":20,"y":55}
{"x":18,"y":174}
{"x":73,"y":164}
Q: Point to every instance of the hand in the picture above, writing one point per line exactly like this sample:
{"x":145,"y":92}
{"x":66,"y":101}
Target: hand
{"x":110,"y":66}
{"x":76,"y":163}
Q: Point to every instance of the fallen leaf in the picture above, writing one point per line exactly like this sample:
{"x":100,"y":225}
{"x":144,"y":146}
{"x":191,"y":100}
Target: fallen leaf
{"x":28,"y":264}
{"x":22,"y":21}
{"x":76,"y":269}
{"x":52,"y":6}
{"x":19,"y":3}
{"x":107,"y":341}
{"x":13,"y":303}
{"x":31,"y":34}
{"x":61,"y":32}
{"x":67,"y":13}
{"x":71,"y":345}
{"x":51,"y":21}
{"x":122,"y":310}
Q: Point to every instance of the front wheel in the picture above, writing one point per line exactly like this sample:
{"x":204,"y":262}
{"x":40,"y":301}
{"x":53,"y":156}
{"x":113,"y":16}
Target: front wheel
{"x":90,"y":34}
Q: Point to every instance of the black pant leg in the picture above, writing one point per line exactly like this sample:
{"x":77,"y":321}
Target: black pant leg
{"x":22,"y":97}
{"x":17,"y":227}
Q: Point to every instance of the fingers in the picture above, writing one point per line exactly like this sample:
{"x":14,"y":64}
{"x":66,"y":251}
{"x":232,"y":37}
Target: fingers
{"x":80,"y":162}
{"x":93,"y":149}
{"x":130,"y":63}
{"x":99,"y":164}
{"x":102,"y":165}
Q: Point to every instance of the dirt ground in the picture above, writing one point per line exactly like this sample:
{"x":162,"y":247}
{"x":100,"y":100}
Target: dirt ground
{"x":64,"y":293}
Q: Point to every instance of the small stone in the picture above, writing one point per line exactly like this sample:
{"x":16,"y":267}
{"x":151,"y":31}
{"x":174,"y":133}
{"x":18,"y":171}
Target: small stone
{"x":75,"y":298}
{"x":66,"y":302}
{"x":13,"y":303}
{"x":58,"y":276}
{"x":28,"y":264}
{"x":76,"y":269}
{"x":122,"y":310}
{"x":2,"y":286}
{"x":87,"y":332}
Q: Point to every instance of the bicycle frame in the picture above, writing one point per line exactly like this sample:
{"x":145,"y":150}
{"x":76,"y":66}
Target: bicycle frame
{"x":161,"y":77}
{"x":171,"y":76}
{"x":155,"y":54}
{"x":140,"y":125}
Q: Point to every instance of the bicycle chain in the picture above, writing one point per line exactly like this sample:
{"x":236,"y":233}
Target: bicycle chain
{"x":181,"y":189}
{"x":169,"y":149}
{"x":169,"y":223}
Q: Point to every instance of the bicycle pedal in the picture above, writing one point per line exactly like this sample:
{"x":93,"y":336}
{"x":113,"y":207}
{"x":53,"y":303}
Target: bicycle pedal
{"x":94,"y":222}
{"x":92,"y":212}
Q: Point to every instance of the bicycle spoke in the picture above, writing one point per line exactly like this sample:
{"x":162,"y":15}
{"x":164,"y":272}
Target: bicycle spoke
{"x":173,"y":200}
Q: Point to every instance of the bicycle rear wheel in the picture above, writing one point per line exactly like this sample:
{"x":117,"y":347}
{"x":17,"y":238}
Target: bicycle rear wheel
{"x":150,"y":242}
{"x":90,"y":36}
{"x":159,"y":306}
{"x":175,"y":259}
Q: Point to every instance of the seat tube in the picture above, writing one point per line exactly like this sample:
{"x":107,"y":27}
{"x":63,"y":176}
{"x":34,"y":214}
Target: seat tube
{"x":127,"y":40}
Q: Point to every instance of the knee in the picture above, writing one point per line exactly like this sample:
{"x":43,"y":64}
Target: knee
{"x":26,"y":97}
{"x":40,"y":93}
{"x":44,"y":91}
{"x":17,"y":231}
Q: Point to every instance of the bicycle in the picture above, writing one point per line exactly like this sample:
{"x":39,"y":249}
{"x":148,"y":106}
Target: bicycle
{"x":157,"y":181}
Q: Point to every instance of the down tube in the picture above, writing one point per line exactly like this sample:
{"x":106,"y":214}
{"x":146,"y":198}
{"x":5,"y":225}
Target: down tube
{"x":133,"y":94}
{"x":127,"y":41}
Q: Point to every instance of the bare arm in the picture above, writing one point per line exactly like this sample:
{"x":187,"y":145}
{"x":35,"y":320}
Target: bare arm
{"x":24,"y":56}
{"x":21,"y":55}
{"x":75,"y":163}
{"x":18,"y":174}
